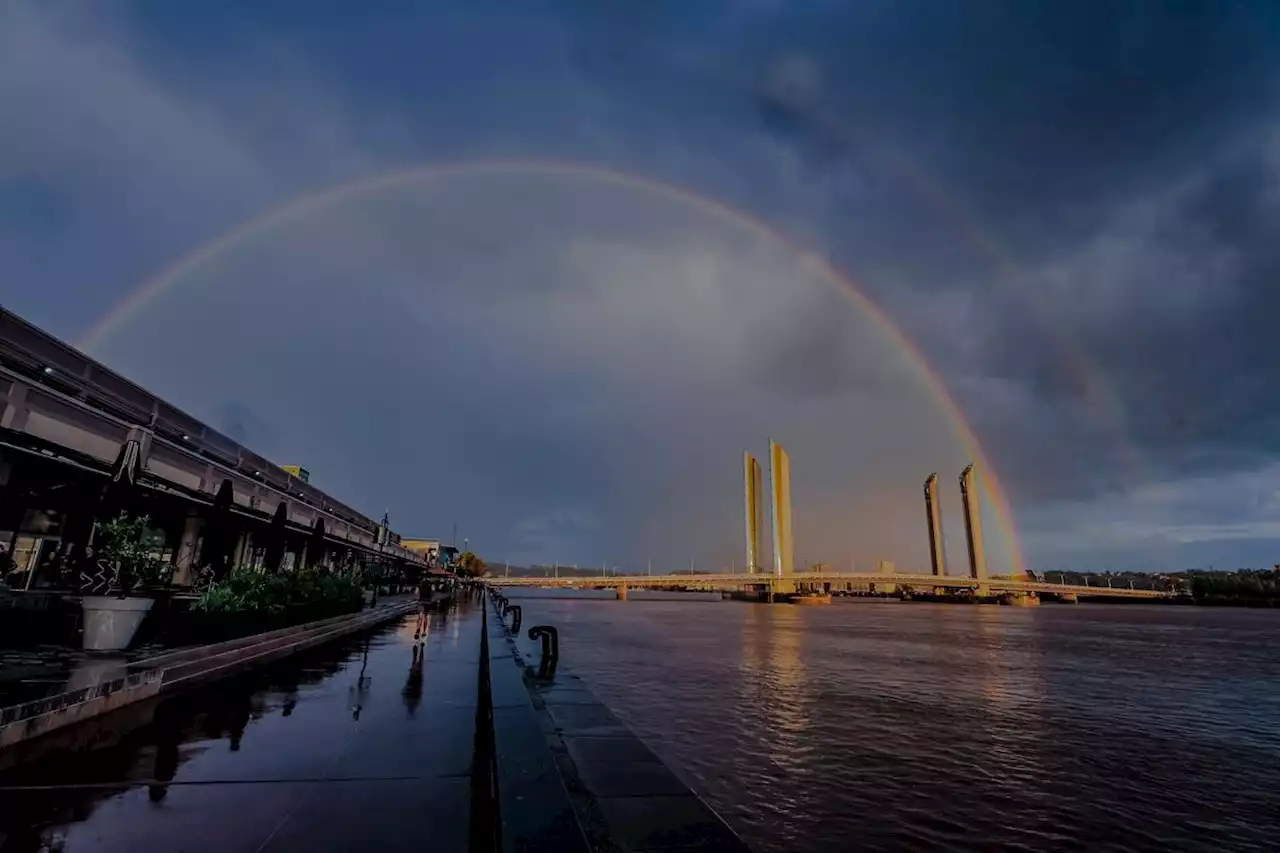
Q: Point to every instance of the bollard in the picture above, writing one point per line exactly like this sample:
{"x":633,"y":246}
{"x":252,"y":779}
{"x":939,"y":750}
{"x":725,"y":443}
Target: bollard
{"x":550,"y":648}
{"x":517,"y":614}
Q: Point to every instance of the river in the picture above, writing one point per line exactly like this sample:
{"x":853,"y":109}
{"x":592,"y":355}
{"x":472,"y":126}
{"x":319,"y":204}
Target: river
{"x":903,"y":726}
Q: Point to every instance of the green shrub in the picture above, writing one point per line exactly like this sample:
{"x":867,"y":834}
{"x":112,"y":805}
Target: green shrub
{"x":251,"y":591}
{"x":128,"y":545}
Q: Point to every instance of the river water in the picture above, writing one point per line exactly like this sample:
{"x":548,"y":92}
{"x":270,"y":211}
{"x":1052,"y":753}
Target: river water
{"x":904,"y":726}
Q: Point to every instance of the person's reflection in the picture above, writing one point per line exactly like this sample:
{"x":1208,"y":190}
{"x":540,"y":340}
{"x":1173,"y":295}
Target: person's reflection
{"x":412,"y":693}
{"x":168,"y":736}
{"x":288,"y":685}
{"x":361,"y":688}
{"x":237,"y":721}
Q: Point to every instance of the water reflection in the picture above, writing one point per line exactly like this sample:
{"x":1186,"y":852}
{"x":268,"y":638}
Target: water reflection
{"x":412,"y":692}
{"x":169,"y":735}
{"x":360,"y":692}
{"x":1012,"y":682}
{"x":149,"y":744}
{"x":774,"y":678}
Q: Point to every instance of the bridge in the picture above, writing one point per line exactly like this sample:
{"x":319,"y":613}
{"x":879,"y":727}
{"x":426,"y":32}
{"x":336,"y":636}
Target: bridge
{"x":783,"y":582}
{"x":829,"y":581}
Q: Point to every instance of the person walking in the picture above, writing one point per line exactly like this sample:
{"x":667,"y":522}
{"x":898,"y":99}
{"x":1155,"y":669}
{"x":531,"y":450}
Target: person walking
{"x":423,"y":595}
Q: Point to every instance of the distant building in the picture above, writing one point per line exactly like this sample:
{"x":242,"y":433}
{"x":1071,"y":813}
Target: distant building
{"x":421,"y":546}
{"x":886,"y":567}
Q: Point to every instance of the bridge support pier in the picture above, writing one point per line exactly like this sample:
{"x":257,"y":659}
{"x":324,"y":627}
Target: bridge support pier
{"x":1068,"y":598}
{"x":621,"y":592}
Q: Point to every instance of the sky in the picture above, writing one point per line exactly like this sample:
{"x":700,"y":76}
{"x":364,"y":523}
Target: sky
{"x":602,"y":274}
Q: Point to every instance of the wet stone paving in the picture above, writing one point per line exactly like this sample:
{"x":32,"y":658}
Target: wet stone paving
{"x":361,"y":745}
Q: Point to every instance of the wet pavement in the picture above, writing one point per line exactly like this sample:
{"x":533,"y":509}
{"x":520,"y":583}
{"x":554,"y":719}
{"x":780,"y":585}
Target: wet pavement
{"x":359,"y":745}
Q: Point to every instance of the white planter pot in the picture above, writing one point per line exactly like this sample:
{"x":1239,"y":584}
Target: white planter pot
{"x":110,"y":623}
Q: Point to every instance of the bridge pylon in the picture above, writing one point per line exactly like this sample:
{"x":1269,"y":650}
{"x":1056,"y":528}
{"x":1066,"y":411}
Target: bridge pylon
{"x":780,"y":486}
{"x":973,"y":528}
{"x":752,"y":497}
{"x":933,"y":516}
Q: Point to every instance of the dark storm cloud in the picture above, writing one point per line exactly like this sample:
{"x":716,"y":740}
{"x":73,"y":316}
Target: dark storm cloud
{"x":1183,"y":325}
{"x":1005,"y":100}
{"x":1122,"y":159}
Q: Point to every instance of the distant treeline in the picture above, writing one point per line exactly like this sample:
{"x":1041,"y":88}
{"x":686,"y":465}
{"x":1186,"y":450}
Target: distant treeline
{"x":1245,"y":586}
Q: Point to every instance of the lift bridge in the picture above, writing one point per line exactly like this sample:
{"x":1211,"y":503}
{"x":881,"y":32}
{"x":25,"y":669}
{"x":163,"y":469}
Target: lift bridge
{"x":782,"y":581}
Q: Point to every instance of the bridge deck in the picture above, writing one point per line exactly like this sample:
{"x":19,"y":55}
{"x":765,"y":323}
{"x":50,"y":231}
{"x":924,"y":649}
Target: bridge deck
{"x":735,"y":581}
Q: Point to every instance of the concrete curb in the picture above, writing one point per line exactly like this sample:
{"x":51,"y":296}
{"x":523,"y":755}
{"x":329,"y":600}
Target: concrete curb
{"x":173,"y":672}
{"x":624,"y":796}
{"x":534,"y":809}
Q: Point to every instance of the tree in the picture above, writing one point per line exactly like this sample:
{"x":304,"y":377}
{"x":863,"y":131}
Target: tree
{"x":471,"y":565}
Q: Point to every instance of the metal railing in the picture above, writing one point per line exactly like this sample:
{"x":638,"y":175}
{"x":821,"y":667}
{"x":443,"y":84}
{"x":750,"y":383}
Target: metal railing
{"x":175,"y":666}
{"x":37,"y":707}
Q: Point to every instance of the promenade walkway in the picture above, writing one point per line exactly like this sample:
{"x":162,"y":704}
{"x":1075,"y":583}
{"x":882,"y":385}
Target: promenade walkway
{"x":361,"y":745}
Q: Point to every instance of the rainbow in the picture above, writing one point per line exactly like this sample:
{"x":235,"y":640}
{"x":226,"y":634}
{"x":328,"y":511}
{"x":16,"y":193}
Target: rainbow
{"x":304,"y":204}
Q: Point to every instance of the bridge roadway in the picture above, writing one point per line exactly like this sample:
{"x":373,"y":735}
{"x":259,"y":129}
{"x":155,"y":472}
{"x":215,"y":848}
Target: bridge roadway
{"x":737,"y":581}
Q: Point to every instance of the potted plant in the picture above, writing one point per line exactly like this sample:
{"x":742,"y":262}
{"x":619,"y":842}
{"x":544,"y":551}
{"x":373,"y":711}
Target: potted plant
{"x":119,"y":593}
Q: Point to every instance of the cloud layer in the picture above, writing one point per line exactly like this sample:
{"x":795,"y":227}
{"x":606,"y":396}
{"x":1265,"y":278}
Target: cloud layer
{"x":1070,"y":209}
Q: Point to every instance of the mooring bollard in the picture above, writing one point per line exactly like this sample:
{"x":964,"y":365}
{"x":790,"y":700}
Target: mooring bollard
{"x":517,"y":614}
{"x":550,"y":648}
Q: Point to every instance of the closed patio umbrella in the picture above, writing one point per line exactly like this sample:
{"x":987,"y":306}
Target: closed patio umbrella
{"x":316,"y":544}
{"x":219,"y":533}
{"x":276,"y":534}
{"x":96,"y":578}
{"x":122,"y":485}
